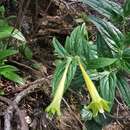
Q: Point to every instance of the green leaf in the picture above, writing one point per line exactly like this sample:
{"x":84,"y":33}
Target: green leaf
{"x":98,"y":122}
{"x":77,"y":43}
{"x":112,"y":36}
{"x":126,"y":8}
{"x":8,"y":52}
{"x":127,"y":39}
{"x":107,"y":8}
{"x":57,"y":75}
{"x":126,"y":54}
{"x":59,"y":72}
{"x":2,"y":11}
{"x":86,"y":115}
{"x":8,"y":68}
{"x":125,"y":61}
{"x":2,"y":93}
{"x":102,"y":48}
{"x":92,"y":51}
{"x":78,"y":80}
{"x":124,"y":65}
{"x":124,"y":89}
{"x":59,"y":49}
{"x":92,"y":125}
{"x":26,"y":51}
{"x":11,"y":75}
{"x":71,"y":73}
{"x":100,"y":62}
{"x":107,"y":87}
{"x":18,"y":35}
{"x":5,"y":29}
{"x":3,"y":45}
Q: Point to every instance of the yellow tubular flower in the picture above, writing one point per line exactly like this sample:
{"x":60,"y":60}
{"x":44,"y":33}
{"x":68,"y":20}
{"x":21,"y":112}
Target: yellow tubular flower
{"x":98,"y":104}
{"x":54,"y":107}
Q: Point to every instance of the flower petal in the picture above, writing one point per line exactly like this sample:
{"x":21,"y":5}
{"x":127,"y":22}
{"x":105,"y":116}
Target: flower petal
{"x":99,"y":106}
{"x":52,"y":109}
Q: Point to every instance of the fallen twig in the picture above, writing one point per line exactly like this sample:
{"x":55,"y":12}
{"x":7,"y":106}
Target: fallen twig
{"x":31,"y":87}
{"x":14,"y":105}
{"x":21,"y":65}
{"x":120,"y":118}
{"x":76,"y":117}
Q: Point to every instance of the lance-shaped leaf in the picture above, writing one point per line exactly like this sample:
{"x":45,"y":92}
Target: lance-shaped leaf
{"x":102,"y":48}
{"x":59,"y":72}
{"x":5,"y":29}
{"x":18,"y":35}
{"x":124,"y":64}
{"x":107,"y":87}
{"x":100,"y":62}
{"x":9,"y":72}
{"x":59,"y":49}
{"x":77,"y":43}
{"x":54,"y":107}
{"x":126,"y":54}
{"x":107,"y":8}
{"x":125,"y":61}
{"x":2,"y":10}
{"x":113,"y":36}
{"x":126,"y":8}
{"x":8,"y":52}
{"x":124,"y":89}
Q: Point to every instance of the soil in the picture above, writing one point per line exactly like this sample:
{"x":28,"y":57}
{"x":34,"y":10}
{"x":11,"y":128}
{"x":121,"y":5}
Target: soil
{"x":40,"y":21}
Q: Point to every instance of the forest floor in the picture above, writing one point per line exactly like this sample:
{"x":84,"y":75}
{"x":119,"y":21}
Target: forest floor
{"x":40,"y":21}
